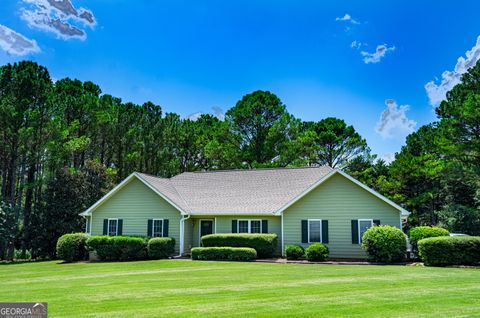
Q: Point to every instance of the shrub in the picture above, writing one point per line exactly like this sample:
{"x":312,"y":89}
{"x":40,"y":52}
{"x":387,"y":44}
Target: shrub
{"x":385,"y":244}
{"x":72,"y":247}
{"x":118,"y":248}
{"x":294,"y":251}
{"x":264,"y":244}
{"x":224,"y":253}
{"x":161,"y":247}
{"x":420,"y":232}
{"x":317,"y":252}
{"x":450,"y":250}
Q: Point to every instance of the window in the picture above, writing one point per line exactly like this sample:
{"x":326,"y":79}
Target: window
{"x":314,"y":231}
{"x":112,"y":227}
{"x":363,"y":226}
{"x":249,"y":226}
{"x":157,"y":228}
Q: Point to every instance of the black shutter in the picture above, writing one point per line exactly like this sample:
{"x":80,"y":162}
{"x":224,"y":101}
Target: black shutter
{"x":376,"y":222}
{"x":105,"y":226}
{"x":120,"y":227}
{"x":234,"y":226}
{"x":354,"y":231}
{"x":264,"y":226}
{"x":324,"y":231}
{"x":165,"y":228}
{"x":304,"y":231}
{"x":149,"y":228}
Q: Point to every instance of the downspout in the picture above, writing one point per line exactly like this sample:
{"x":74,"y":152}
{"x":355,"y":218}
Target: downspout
{"x":182,"y":234}
{"x":283,"y":244}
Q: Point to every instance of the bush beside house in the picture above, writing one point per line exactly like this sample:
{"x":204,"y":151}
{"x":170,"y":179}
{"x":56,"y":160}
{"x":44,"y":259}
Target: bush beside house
{"x":294,"y":252}
{"x":118,"y":248}
{"x":224,"y":253}
{"x":264,"y":244}
{"x":72,"y":247}
{"x":385,"y":244}
{"x":161,"y":247}
{"x":420,"y":232}
{"x":317,"y":252}
{"x":450,"y":250}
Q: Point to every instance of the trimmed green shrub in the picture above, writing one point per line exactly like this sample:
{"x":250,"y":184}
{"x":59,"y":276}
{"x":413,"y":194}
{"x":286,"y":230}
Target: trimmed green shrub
{"x":224,"y":253}
{"x":72,"y":247}
{"x":420,"y":232}
{"x":161,"y":247}
{"x":450,"y":250}
{"x":118,"y":248}
{"x":317,"y":252}
{"x":294,"y":251}
{"x":264,"y":244}
{"x":385,"y":244}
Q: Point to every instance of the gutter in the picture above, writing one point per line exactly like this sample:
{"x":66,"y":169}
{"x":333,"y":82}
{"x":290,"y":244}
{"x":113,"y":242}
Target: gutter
{"x":182,"y":234}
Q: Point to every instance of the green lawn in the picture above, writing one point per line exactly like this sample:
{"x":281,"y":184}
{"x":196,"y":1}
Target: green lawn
{"x":180,"y":288}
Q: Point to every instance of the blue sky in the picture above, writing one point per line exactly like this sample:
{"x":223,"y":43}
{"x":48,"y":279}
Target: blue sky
{"x":322,"y":58}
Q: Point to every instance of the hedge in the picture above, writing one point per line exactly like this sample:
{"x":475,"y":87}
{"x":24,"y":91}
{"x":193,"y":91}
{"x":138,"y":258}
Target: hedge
{"x":72,"y":247}
{"x":264,"y":244}
{"x":316,"y":252}
{"x":420,"y":232}
{"x":224,"y":253}
{"x":294,"y":251}
{"x":450,"y":250}
{"x":385,"y":244}
{"x":118,"y":248}
{"x":161,"y":247}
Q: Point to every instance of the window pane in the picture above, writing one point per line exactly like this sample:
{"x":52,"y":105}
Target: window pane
{"x":112,"y":227}
{"x":314,"y":230}
{"x":157,"y":228}
{"x":364,"y":226}
{"x":255,"y":226}
{"x":243,"y":226}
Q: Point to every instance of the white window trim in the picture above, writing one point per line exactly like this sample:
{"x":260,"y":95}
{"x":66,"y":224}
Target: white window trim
{"x":362,"y":220}
{"x":153,"y":227}
{"x":214,"y":228}
{"x":108,"y":227}
{"x":250,"y":225}
{"x":308,"y":230}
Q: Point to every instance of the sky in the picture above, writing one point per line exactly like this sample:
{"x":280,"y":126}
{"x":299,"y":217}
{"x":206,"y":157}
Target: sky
{"x":382,"y":66}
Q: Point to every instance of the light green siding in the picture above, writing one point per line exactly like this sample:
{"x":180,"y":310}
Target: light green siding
{"x":136,"y":203}
{"x":224,"y":225}
{"x":339,"y":201}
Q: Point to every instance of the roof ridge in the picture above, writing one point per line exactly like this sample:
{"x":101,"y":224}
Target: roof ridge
{"x":256,"y":169}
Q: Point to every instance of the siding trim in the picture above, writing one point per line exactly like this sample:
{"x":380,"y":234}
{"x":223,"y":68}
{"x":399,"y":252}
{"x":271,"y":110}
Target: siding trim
{"x":403,"y":212}
{"x":120,"y":186}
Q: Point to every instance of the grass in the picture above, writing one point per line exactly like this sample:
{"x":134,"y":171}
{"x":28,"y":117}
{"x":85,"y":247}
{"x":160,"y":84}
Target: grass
{"x":180,"y":288}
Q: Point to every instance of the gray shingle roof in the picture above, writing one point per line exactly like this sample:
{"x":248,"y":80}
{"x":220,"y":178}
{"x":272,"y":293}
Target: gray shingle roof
{"x":259,"y":191}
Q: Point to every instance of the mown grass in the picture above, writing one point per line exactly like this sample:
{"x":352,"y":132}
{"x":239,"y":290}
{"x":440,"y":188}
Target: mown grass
{"x":180,"y":288}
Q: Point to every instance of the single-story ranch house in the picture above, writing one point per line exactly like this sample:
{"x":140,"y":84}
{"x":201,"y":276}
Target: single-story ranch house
{"x":300,"y":205}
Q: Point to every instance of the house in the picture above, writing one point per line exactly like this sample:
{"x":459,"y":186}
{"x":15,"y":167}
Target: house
{"x":300,"y":205}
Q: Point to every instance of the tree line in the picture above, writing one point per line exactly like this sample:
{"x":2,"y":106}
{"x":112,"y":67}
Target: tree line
{"x":64,"y":144}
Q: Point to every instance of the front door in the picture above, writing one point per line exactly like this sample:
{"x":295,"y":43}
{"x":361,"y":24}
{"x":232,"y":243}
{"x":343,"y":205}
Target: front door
{"x":206,"y":227}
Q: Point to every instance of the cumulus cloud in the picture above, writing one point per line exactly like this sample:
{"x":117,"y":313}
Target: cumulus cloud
{"x":437,"y":91}
{"x":14,"y":43}
{"x":388,"y":157}
{"x":357,"y":45}
{"x":376,"y":56}
{"x":347,"y":18}
{"x":59,"y":17}
{"x":216,"y":111}
{"x":394,"y":122}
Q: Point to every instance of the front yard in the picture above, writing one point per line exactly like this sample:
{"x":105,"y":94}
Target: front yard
{"x":182,"y":288}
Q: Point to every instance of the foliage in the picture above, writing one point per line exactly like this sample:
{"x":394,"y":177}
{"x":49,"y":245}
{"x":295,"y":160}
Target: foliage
{"x":161,"y":247}
{"x":224,"y":253}
{"x":450,"y":250}
{"x":294,"y":251}
{"x":317,"y":252}
{"x":385,"y":244}
{"x":420,"y":232}
{"x":264,"y":244}
{"x":72,"y":247}
{"x":118,"y":248}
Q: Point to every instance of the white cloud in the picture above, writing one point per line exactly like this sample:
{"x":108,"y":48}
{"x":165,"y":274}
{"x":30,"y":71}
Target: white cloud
{"x":347,"y":18}
{"x":357,"y":45}
{"x":393,"y":122}
{"x":437,"y":92}
{"x":15,"y":43}
{"x":376,"y":56}
{"x":388,"y":157}
{"x":59,"y":17}
{"x":216,"y":111}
